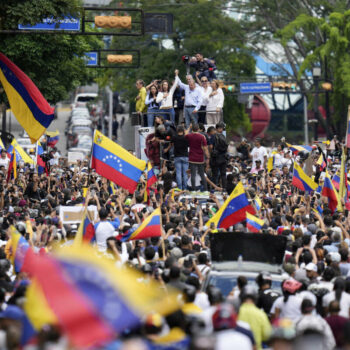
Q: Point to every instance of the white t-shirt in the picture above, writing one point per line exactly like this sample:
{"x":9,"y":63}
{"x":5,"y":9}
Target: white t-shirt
{"x":344,"y":302}
{"x":290,"y":309}
{"x":103,"y":230}
{"x":259,"y":153}
{"x":4,"y":162}
{"x":230,"y":339}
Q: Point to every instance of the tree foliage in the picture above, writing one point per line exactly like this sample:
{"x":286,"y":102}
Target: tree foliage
{"x":304,"y":33}
{"x":199,"y":26}
{"x":54,"y":62}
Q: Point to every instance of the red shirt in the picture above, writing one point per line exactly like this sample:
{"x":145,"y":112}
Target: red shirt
{"x":196,"y":141}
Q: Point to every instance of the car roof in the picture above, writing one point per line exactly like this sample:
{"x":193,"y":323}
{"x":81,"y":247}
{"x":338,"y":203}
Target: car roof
{"x":246,"y":266}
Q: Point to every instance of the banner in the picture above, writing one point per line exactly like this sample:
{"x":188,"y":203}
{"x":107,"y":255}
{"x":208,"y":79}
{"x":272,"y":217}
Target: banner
{"x":74,"y":214}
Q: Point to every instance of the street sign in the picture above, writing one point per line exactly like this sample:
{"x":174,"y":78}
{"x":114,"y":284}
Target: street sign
{"x":91,"y":58}
{"x":254,"y":88}
{"x":67,"y":23}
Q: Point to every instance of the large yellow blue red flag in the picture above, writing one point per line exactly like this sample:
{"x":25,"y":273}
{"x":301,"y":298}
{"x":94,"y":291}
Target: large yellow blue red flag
{"x":27,"y":103}
{"x":91,"y":299}
{"x":233,"y":210}
{"x":115,"y":163}
{"x":301,"y":180}
{"x":151,"y":227}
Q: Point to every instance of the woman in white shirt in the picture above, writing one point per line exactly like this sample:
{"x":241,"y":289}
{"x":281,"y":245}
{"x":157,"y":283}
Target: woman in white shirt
{"x":165,"y":100}
{"x":206,"y":90}
{"x":152,"y":105}
{"x":215,"y":103}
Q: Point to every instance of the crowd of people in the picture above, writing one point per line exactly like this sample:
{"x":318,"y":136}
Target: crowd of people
{"x":310,"y":308}
{"x":200,"y":100}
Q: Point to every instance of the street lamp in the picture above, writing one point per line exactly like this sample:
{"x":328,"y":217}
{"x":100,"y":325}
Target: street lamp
{"x":316,"y":74}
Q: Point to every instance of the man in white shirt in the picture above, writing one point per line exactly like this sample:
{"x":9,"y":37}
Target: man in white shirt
{"x":259,"y":152}
{"x":193,"y":100}
{"x":105,"y":229}
{"x":4,"y":160}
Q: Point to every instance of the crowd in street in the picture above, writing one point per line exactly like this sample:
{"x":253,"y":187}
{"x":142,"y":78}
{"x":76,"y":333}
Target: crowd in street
{"x":197,"y":168}
{"x":311,"y":305}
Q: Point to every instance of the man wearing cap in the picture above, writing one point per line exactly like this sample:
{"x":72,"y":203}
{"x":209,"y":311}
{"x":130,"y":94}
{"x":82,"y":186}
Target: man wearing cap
{"x":259,"y":152}
{"x":311,"y":272}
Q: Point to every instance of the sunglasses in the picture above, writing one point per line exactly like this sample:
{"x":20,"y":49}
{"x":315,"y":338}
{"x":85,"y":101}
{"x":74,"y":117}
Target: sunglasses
{"x":204,"y":81}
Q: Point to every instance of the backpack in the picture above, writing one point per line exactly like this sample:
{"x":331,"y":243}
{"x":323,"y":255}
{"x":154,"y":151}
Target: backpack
{"x":220,"y":143}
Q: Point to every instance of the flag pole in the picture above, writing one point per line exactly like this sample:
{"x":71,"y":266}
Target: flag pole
{"x":347,"y":141}
{"x":162,"y":237}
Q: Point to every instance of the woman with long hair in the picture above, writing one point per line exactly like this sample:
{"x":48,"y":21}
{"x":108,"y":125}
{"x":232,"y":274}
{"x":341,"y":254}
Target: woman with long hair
{"x":339,"y":295}
{"x":215,"y":103}
{"x":165,"y":100}
{"x":152,"y":105}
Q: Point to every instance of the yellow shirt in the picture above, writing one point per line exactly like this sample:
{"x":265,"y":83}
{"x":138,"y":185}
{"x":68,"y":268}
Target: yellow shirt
{"x":140,"y":103}
{"x":257,"y":320}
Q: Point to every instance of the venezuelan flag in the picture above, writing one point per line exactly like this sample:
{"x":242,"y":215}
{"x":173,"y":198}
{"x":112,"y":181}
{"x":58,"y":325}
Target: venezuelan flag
{"x":151,"y":179}
{"x":329,"y":192}
{"x":254,"y":224}
{"x":52,"y":138}
{"x":300,"y":148}
{"x":321,"y":162}
{"x":91,"y":299}
{"x":86,"y":231}
{"x":20,"y":248}
{"x":20,"y":152}
{"x":27,"y":103}
{"x":115,"y":163}
{"x":151,"y":227}
{"x":302,"y":181}
{"x":257,"y":202}
{"x":39,"y":162}
{"x":336,"y":180}
{"x":12,"y":170}
{"x":1,"y":145}
{"x":233,"y":210}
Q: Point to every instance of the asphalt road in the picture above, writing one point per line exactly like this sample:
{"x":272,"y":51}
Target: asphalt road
{"x":125,"y":135}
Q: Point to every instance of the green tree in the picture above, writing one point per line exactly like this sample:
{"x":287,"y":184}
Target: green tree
{"x":295,"y":32}
{"x":199,"y":26}
{"x":53,"y":61}
{"x":331,"y":52}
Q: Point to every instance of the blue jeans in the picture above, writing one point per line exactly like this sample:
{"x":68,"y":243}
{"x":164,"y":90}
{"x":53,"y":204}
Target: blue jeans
{"x":151,"y":113}
{"x":181,"y":166}
{"x":169,"y":115}
{"x":190,"y":117}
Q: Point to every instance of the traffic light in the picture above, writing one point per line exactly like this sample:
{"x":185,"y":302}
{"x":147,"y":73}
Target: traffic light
{"x":327,"y":86}
{"x":284,"y":86}
{"x":113,"y":22}
{"x":119,"y":58}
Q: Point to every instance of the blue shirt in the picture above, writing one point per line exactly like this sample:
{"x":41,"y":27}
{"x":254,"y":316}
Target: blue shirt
{"x":192,"y":97}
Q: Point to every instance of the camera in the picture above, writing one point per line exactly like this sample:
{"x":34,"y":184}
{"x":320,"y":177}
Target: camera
{"x":185,"y":59}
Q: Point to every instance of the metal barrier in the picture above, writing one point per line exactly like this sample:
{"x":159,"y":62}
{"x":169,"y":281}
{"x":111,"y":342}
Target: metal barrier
{"x":141,"y":119}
